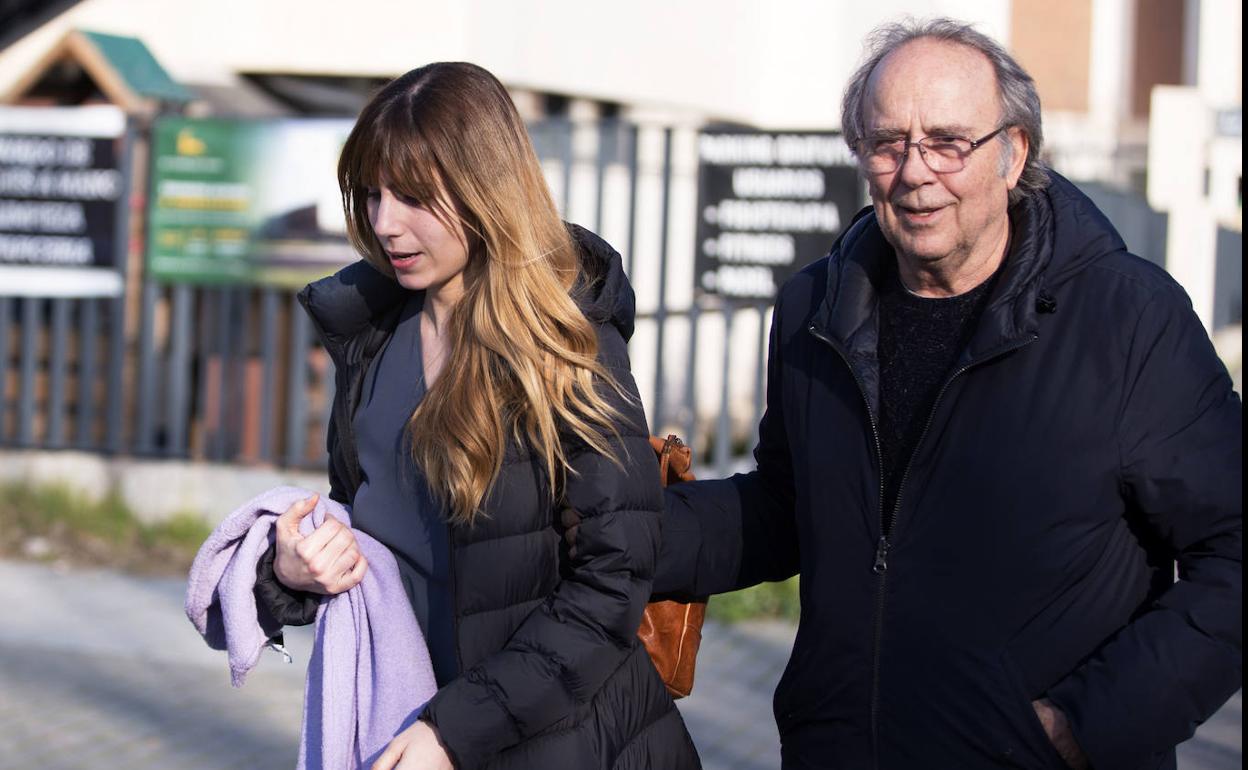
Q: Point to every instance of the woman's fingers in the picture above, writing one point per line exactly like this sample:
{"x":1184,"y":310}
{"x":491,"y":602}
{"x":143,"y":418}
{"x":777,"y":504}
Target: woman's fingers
{"x":288,"y":522}
{"x":289,"y":565}
{"x":345,"y":572}
{"x":328,"y":561}
{"x":352,"y":577}
{"x":416,"y":748}
{"x":390,"y":757}
{"x":311,"y":546}
{"x":325,"y":563}
{"x":332,"y":566}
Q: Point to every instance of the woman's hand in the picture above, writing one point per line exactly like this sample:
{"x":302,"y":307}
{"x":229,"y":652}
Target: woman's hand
{"x":326,"y":562}
{"x":416,"y":748}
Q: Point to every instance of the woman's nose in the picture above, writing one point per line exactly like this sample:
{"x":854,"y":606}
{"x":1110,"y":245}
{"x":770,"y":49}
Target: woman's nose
{"x":385,"y":223}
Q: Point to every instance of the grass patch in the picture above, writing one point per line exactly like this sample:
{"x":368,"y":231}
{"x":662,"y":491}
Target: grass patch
{"x":53,"y":523}
{"x":765,"y":600}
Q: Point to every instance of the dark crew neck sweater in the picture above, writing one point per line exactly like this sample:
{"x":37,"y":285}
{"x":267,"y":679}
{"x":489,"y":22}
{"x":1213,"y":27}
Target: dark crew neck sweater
{"x":920,"y":339}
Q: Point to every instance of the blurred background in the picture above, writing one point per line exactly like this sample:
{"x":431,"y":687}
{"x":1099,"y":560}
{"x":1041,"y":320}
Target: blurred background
{"x":167,"y":183}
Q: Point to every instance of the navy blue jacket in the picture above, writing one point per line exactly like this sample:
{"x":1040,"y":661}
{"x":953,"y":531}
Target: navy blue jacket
{"x":1087,"y":440}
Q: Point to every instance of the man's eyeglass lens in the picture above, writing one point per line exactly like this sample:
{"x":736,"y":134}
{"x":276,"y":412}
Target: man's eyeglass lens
{"x":943,"y":154}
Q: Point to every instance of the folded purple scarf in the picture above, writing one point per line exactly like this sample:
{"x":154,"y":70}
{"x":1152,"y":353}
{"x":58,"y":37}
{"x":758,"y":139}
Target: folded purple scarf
{"x":369,"y":675}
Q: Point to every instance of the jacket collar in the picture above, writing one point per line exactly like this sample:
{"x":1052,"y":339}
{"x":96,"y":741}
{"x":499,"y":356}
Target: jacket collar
{"x":350,"y":302}
{"x":847,"y":314}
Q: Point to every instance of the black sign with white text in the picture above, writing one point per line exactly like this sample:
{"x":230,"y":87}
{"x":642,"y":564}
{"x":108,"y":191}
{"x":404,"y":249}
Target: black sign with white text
{"x":768,"y":204}
{"x":58,"y":200}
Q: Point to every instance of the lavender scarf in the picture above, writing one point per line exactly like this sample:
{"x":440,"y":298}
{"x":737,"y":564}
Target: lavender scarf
{"x":369,"y":675}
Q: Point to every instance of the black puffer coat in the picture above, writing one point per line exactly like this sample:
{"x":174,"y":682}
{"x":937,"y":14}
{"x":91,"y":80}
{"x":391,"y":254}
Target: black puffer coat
{"x":1086,"y":441}
{"x":551,"y":672}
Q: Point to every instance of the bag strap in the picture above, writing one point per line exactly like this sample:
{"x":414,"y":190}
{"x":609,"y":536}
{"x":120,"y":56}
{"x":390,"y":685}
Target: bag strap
{"x":665,"y":456}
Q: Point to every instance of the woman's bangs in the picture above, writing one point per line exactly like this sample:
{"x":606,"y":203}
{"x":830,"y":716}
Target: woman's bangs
{"x":361,"y":154}
{"x":404,"y":162}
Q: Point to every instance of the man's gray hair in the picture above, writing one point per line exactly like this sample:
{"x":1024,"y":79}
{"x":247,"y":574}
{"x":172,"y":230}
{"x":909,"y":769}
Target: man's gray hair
{"x":1020,"y":104}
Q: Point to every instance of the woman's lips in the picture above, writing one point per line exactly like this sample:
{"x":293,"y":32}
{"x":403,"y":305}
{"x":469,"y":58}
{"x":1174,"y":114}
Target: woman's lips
{"x":403,"y":261}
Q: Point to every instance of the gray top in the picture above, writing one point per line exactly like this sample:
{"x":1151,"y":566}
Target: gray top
{"x":393,"y":503}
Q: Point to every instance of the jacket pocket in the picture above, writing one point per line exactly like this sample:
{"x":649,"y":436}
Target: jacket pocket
{"x":1033,"y":749}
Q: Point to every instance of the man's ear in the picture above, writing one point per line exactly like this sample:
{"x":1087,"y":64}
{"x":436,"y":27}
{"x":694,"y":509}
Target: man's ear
{"x":1020,"y":144}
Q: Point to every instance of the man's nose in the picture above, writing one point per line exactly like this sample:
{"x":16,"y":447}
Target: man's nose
{"x":914,"y":169}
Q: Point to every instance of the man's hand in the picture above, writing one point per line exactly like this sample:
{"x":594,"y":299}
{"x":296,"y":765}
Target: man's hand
{"x":1057,"y":727}
{"x":326,"y":562}
{"x":416,"y":748}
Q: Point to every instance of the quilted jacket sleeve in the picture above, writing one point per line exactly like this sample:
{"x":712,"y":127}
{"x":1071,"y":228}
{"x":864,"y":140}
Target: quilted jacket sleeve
{"x":285,"y":605}
{"x":564,"y":651}
{"x":1181,"y":440}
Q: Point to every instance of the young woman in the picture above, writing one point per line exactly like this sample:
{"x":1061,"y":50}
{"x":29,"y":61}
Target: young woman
{"x":482,"y":387}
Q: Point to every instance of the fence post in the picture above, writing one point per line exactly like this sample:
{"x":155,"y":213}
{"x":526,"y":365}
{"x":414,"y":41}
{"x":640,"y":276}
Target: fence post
{"x":117,"y":321}
{"x":268,"y":352}
{"x":633,"y":166}
{"x":6,"y":308}
{"x":225,"y":315}
{"x":691,"y":378}
{"x":55,"y":436}
{"x":660,"y":315}
{"x":88,"y":336}
{"x":146,"y":406}
{"x":723,"y":428}
{"x":26,"y":380}
{"x":760,"y":374}
{"x":606,"y":153}
{"x":296,"y":384}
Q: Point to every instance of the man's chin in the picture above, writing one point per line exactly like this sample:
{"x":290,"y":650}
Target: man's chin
{"x":923,"y":248}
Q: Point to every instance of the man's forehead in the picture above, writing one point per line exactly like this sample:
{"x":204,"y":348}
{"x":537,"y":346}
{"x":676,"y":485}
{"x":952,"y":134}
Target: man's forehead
{"x":946,"y":56}
{"x":949,"y":85}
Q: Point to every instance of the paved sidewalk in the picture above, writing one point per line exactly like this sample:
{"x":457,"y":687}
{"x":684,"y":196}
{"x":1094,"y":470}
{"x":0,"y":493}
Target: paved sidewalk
{"x":100,"y":670}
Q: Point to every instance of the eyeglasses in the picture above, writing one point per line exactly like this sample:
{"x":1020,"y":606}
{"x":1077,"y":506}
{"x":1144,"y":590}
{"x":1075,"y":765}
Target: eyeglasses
{"x":942,"y":154}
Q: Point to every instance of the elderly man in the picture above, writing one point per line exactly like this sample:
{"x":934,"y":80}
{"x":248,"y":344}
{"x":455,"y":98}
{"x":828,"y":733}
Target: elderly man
{"x":990,"y":435}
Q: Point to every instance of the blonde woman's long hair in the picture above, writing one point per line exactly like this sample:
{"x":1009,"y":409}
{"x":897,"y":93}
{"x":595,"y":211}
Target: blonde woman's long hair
{"x":522,"y":363}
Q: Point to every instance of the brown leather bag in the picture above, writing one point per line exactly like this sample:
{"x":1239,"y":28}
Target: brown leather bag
{"x":672,"y":631}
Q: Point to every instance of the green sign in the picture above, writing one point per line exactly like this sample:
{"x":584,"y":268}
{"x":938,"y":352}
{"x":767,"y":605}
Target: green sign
{"x":244,"y":201}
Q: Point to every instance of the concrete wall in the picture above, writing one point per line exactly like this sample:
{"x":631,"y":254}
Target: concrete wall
{"x":780,"y":63}
{"x":154,"y":490}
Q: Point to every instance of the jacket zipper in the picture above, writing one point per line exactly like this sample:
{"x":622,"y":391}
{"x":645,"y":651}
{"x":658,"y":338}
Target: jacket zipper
{"x":880,"y":564}
{"x":451,"y":583}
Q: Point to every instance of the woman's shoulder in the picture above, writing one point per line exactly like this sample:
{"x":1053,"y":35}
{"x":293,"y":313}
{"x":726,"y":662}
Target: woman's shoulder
{"x":602,"y":290}
{"x":344,"y":303}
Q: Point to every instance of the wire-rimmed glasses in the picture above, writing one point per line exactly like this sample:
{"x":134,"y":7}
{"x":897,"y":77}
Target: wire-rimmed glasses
{"x":943,"y":154}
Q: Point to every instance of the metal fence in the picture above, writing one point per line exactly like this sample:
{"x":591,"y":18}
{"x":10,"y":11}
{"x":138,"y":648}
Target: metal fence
{"x":61,"y":373}
{"x":1142,"y":229}
{"x":235,"y":374}
{"x":1228,"y":280}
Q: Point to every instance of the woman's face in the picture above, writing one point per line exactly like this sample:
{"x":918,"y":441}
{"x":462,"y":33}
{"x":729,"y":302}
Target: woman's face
{"x":424,"y":253}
